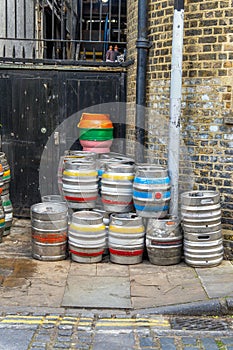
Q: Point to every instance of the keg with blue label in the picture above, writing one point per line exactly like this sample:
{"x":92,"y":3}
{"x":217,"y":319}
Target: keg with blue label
{"x":151,"y":191}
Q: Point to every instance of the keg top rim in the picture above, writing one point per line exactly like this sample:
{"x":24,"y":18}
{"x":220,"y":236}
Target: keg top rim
{"x":48,"y":208}
{"x":149,"y":166}
{"x":125,"y":216}
{"x":199,"y":194}
{"x":86,"y":214}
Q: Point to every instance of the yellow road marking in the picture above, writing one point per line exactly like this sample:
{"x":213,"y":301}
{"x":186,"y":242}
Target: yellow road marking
{"x":104,"y":322}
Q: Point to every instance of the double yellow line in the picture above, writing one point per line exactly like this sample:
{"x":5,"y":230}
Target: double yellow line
{"x":86,"y":321}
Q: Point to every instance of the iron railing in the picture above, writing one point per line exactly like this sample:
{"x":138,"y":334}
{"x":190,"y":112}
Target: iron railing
{"x":60,"y":30}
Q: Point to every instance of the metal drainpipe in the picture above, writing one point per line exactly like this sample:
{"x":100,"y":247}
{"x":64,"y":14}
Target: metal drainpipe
{"x":142,"y":45}
{"x":175,"y":105}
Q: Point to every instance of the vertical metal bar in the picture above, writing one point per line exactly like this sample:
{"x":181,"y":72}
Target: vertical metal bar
{"x":81,"y":20}
{"x":119,"y":21}
{"x":71,"y":23}
{"x":24,"y":19}
{"x":110,"y":18}
{"x":6,"y":29}
{"x":100,"y":21}
{"x":16,"y":14}
{"x":53,"y":20}
{"x":175,"y":104}
{"x":53,"y":31}
{"x":91,"y":17}
{"x":36,"y":6}
{"x":62,"y":30}
{"x":43,"y":31}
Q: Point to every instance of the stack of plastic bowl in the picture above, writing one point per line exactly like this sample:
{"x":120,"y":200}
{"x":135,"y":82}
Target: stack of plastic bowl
{"x":95,"y":132}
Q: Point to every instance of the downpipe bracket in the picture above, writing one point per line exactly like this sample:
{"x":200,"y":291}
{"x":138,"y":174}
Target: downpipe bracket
{"x":143,"y":43}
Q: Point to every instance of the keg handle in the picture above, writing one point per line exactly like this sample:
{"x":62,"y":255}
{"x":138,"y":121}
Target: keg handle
{"x":207,"y":201}
{"x":203,"y":237}
{"x":196,"y":194}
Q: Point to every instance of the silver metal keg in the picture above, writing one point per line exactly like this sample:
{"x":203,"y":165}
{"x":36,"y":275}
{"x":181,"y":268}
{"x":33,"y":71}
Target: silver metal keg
{"x":87,"y":237}
{"x":164,"y":240}
{"x":151,"y":191}
{"x":117,"y":188}
{"x":80,"y":183}
{"x":49,"y":226}
{"x":201,"y":222}
{"x":126,"y":238}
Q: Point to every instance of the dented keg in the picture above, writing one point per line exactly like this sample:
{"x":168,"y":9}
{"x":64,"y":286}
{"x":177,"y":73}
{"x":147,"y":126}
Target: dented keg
{"x":164,"y":240}
{"x":49,"y":231}
{"x":117,"y":188}
{"x":201,"y":222}
{"x":151,"y":191}
{"x":126,"y":238}
{"x":80,"y":183}
{"x":87,"y":237}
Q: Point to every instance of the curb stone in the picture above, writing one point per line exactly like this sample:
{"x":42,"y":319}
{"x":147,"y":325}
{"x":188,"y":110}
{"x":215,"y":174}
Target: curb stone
{"x":214,"y":307}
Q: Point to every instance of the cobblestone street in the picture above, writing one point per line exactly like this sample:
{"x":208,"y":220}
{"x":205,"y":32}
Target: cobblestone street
{"x":92,"y":331}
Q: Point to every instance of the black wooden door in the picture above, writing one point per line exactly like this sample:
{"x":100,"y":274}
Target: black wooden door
{"x":39,"y":111}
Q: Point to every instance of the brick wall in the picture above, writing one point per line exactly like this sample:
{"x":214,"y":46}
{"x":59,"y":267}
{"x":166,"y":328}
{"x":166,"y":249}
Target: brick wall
{"x":207,"y":102}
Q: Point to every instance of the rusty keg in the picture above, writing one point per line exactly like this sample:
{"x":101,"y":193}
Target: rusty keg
{"x":164,"y":240}
{"x":49,"y":226}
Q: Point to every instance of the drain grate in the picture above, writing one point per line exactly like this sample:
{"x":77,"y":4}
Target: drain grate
{"x":203,"y":324}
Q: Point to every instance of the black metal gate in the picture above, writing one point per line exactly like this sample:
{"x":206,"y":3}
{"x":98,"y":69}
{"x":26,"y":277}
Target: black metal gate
{"x":39,"y":112}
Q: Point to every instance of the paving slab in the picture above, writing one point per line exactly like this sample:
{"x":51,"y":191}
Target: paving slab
{"x":217,"y":281}
{"x":97,"y":292}
{"x":153,"y":285}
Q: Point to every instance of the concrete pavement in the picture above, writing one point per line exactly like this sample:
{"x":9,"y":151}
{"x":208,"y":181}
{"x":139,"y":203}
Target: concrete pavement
{"x":29,"y":284}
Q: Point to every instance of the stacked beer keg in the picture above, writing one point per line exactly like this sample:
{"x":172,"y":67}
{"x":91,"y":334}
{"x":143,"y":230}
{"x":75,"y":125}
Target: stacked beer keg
{"x":49,"y":224}
{"x":126,"y":238}
{"x":151,"y":191}
{"x":151,"y":195}
{"x":201,"y":222}
{"x":2,"y":214}
{"x":80,"y":183}
{"x":87,"y":236}
{"x":164,"y":240}
{"x":117,"y":188}
{"x":5,"y":193}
